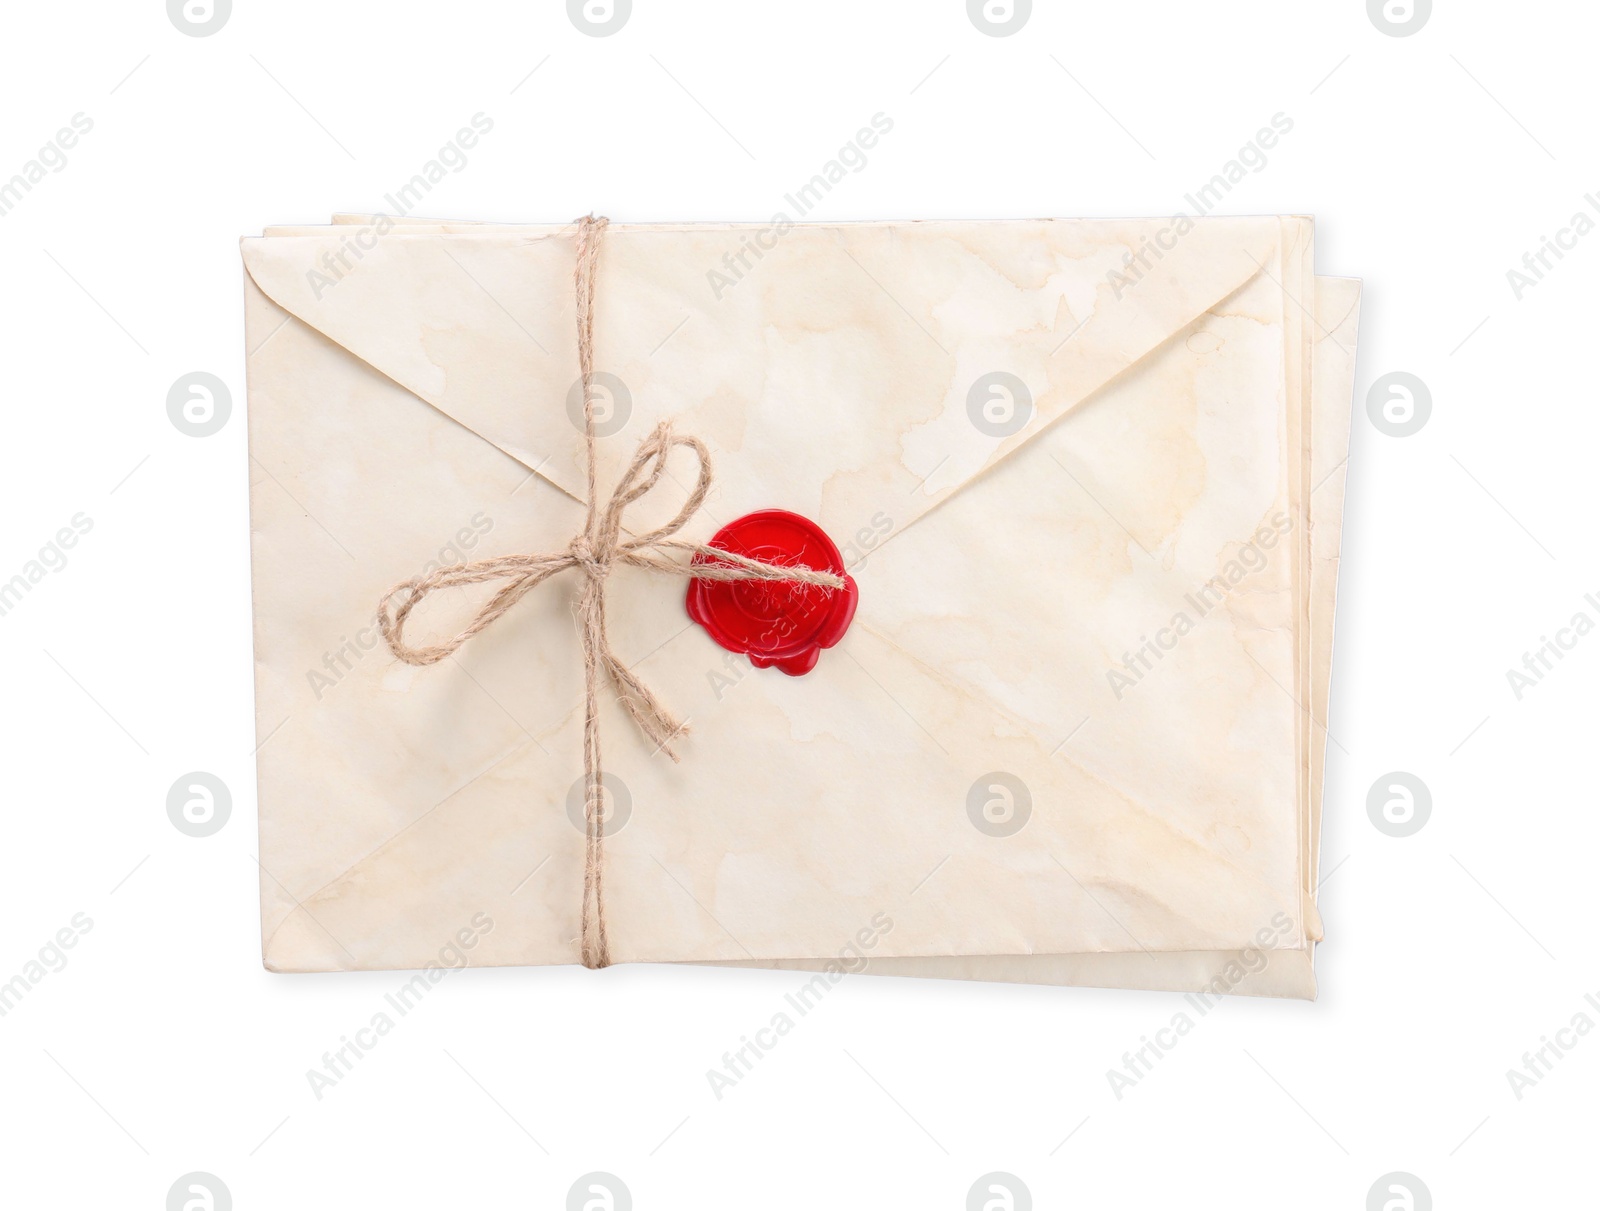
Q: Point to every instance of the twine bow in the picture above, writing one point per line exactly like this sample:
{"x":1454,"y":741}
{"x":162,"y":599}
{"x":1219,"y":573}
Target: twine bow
{"x":595,"y":551}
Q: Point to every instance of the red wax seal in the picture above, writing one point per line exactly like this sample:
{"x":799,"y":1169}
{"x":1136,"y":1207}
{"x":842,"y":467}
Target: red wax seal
{"x":776,"y":623}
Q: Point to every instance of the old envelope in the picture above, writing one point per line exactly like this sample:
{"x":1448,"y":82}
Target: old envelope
{"x":1075,"y":729}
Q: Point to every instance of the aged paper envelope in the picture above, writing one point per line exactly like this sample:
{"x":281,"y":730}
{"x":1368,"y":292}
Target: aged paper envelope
{"x":1261,"y":969}
{"x":836,"y":381}
{"x":1258,"y":969}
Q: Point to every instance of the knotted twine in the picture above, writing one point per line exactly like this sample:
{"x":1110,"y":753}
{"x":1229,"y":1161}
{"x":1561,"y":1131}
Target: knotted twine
{"x":595,"y":551}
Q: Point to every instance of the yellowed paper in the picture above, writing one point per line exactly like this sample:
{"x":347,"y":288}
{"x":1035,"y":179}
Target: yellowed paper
{"x":413,"y":396}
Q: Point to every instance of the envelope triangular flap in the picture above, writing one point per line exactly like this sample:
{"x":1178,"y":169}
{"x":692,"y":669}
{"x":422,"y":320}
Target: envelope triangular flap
{"x":480,"y":327}
{"x":768,"y":347}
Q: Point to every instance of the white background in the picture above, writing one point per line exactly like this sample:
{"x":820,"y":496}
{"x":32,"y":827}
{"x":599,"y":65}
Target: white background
{"x":1432,"y":163}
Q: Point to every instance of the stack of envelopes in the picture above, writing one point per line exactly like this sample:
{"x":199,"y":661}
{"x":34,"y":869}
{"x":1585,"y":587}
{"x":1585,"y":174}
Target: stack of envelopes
{"x":1088,"y":476}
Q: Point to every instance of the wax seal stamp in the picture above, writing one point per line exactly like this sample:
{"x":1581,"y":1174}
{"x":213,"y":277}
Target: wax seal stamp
{"x":778,"y":624}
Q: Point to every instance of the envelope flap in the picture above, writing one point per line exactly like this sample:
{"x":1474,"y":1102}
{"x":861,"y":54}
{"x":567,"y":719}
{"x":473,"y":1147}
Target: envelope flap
{"x":963,"y":340}
{"x":1108,"y":294}
{"x":480,"y":329}
{"x":860,"y":374}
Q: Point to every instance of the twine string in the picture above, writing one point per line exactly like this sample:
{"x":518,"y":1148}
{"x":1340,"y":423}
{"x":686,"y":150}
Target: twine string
{"x":598,"y":548}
